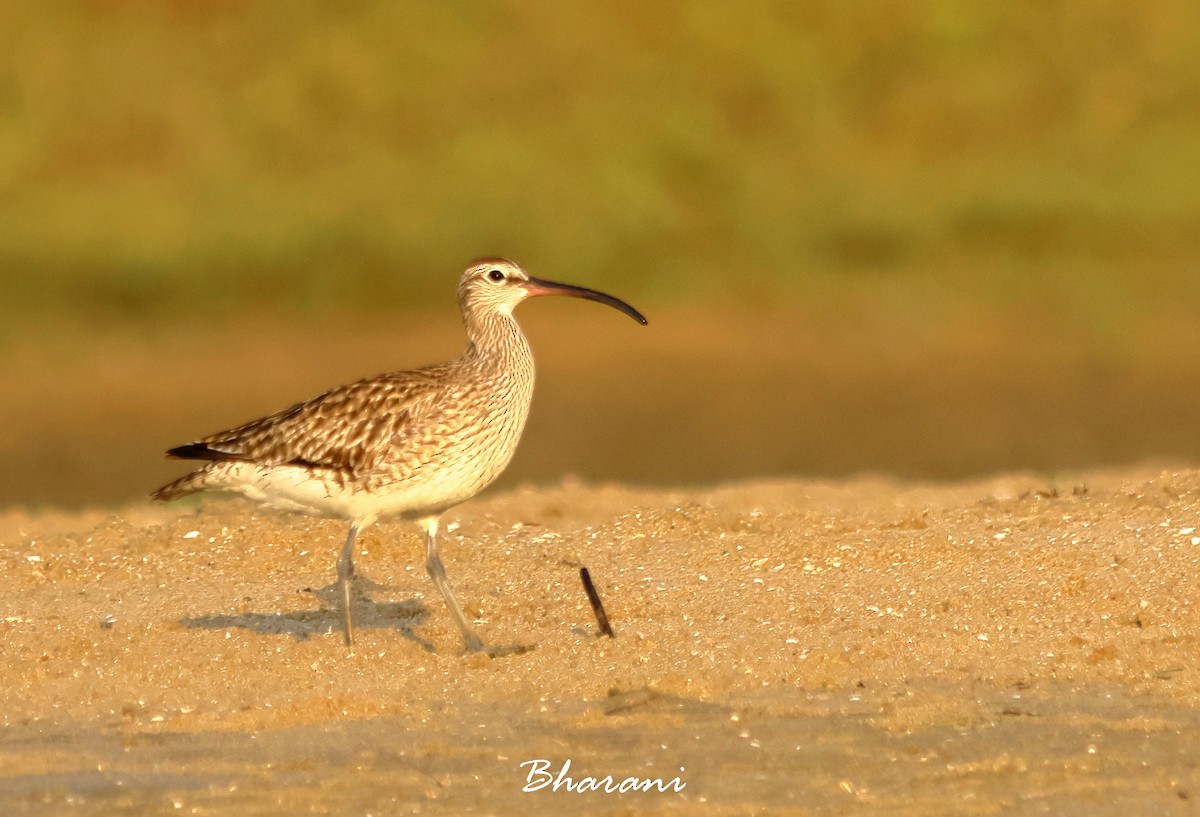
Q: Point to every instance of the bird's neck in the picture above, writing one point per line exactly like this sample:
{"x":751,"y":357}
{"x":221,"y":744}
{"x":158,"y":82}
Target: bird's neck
{"x":497,"y":340}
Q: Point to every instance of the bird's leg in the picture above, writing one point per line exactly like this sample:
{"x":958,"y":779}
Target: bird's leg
{"x":433,"y":563}
{"x":345,"y":572}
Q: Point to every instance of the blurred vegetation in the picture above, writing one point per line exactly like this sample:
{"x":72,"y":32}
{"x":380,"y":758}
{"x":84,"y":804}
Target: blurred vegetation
{"x":954,"y":236}
{"x":202,"y":158}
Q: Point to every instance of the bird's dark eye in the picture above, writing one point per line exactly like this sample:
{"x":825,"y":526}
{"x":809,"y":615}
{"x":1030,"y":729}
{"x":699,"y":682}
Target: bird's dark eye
{"x":496,"y":275}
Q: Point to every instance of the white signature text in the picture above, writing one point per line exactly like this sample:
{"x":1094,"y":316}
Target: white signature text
{"x":540,"y":777}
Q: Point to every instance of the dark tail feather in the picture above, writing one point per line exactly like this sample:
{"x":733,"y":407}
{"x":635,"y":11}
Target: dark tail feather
{"x":201,"y":451}
{"x":194,"y":482}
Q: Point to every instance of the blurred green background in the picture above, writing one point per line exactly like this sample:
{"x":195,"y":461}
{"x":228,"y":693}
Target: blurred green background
{"x":901,"y":169}
{"x":229,"y":155}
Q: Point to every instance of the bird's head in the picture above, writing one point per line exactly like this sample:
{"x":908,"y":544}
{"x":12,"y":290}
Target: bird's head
{"x":496,"y":285}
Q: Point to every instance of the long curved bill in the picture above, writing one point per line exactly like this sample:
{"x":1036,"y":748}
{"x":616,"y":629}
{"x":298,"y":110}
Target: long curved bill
{"x":537,"y":286}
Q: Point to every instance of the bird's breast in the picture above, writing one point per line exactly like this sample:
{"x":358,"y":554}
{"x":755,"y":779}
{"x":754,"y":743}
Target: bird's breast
{"x":458,"y":445}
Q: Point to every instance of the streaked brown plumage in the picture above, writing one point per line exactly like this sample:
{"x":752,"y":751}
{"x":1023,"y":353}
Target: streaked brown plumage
{"x":407,"y":444}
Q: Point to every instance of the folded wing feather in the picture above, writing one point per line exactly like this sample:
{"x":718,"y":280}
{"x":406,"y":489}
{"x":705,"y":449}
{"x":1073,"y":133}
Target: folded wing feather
{"x":347,"y":428}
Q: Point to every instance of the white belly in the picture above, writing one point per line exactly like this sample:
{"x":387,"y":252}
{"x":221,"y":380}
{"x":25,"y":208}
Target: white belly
{"x":429,"y":491}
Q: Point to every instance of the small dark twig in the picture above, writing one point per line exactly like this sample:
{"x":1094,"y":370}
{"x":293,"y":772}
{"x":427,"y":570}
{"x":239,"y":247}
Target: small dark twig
{"x":597,"y":606}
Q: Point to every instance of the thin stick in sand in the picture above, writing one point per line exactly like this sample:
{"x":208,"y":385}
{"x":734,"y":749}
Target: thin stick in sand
{"x":597,"y":605}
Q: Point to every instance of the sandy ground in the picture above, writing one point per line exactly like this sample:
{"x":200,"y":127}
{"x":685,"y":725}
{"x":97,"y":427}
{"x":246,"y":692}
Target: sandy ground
{"x":786,"y":647}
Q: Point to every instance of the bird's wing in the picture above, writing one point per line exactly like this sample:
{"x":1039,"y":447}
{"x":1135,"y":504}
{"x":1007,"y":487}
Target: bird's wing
{"x":347,"y":428}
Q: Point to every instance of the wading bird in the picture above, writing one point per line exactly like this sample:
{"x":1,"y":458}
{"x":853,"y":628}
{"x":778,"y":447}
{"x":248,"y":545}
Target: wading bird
{"x":406,"y":445}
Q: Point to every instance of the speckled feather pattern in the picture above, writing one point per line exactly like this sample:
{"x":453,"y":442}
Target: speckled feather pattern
{"x":407,"y":443}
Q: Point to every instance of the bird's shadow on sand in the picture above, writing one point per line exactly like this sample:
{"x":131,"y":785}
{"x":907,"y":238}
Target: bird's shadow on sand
{"x":403,"y":616}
